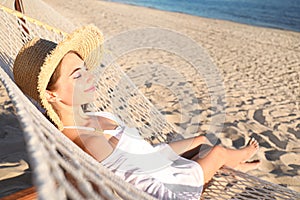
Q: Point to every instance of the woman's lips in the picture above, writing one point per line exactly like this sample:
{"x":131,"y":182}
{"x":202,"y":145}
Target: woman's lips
{"x":91,"y":89}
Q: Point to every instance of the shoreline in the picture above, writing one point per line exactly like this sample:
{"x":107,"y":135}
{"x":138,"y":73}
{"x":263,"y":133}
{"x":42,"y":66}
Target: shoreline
{"x":258,"y":24}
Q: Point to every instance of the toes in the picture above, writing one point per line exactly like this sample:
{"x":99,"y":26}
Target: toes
{"x":253,"y":142}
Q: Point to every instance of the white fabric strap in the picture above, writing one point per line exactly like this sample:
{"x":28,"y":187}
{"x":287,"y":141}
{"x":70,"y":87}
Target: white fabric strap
{"x":105,"y":115}
{"x":99,"y":131}
{"x":80,"y":127}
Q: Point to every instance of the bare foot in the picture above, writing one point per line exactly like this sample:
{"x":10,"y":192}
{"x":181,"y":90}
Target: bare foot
{"x":253,"y":141}
{"x":240,"y":156}
{"x":251,"y":148}
{"x":247,"y":166}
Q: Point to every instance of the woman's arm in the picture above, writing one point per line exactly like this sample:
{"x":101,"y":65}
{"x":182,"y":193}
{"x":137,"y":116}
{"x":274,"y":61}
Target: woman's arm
{"x":185,"y":145}
{"x":95,"y":145}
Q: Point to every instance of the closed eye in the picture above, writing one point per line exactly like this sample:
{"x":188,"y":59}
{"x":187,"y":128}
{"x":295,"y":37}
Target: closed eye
{"x":77,"y":75}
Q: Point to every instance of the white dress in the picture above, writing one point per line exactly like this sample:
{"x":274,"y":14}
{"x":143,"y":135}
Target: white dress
{"x":157,"y":170}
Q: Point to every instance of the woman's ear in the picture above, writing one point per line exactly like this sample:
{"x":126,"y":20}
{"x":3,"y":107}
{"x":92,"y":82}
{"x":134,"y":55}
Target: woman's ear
{"x":52,"y":96}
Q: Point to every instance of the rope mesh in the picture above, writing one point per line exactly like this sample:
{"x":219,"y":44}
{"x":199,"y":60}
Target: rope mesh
{"x":62,"y":170}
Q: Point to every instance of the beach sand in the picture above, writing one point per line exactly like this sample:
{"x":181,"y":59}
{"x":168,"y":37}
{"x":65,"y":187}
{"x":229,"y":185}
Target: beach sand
{"x":15,"y":173}
{"x":259,"y":68}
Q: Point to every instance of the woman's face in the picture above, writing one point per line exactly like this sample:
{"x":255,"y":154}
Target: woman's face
{"x":75,"y":85}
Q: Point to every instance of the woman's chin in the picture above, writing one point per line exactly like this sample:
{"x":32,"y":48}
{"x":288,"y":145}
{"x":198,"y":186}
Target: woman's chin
{"x":83,"y":101}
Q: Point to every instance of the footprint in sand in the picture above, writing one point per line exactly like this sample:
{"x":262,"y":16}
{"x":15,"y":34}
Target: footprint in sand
{"x":10,"y":170}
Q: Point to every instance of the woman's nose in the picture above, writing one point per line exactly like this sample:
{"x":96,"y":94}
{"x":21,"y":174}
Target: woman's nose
{"x":89,"y":77}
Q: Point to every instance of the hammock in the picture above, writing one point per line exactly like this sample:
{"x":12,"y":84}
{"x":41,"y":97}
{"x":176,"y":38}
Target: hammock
{"x":61,"y":169}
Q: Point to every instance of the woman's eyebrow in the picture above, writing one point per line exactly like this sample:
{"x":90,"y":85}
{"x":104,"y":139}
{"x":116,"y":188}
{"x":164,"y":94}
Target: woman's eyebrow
{"x":75,"y":70}
{"x":78,"y":68}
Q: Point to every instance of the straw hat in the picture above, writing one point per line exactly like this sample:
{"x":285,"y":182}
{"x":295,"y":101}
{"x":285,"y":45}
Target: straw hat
{"x":38,"y":59}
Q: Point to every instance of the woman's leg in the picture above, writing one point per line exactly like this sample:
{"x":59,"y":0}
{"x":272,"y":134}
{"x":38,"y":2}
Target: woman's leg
{"x":220,"y":156}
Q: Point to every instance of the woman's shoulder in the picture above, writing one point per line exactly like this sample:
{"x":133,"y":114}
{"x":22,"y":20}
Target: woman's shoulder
{"x":90,"y":143}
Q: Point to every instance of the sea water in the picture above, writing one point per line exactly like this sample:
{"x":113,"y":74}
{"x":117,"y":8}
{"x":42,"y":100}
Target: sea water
{"x":280,"y":14}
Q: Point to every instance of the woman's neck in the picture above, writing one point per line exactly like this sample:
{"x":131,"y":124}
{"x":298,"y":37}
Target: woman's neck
{"x":74,"y":116}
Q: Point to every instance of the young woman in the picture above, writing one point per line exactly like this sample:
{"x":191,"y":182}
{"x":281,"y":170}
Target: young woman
{"x":58,"y":77}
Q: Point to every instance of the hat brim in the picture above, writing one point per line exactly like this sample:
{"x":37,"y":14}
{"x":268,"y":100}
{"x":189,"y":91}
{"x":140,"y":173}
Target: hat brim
{"x":87,"y":42}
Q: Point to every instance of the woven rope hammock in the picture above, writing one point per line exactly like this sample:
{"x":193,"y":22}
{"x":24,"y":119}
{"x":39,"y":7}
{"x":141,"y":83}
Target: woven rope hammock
{"x":61,"y":169}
